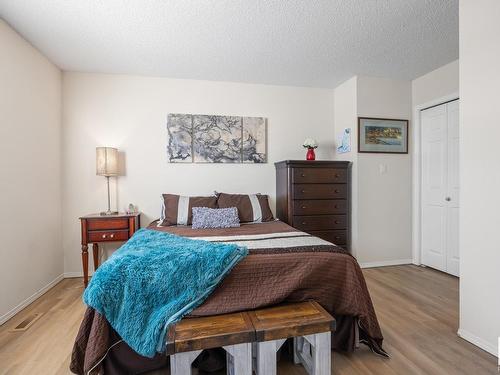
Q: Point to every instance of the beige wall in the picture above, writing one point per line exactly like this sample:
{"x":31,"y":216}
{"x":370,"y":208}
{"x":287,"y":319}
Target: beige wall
{"x":437,"y":84}
{"x":345,"y":116}
{"x":130,"y":112}
{"x":384,"y":198}
{"x":480,"y":172}
{"x":381,"y":202}
{"x":30,"y":159}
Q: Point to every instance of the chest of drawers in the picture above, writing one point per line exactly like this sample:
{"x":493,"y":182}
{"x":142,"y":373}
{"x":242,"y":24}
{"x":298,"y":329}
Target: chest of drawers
{"x":315,"y":197}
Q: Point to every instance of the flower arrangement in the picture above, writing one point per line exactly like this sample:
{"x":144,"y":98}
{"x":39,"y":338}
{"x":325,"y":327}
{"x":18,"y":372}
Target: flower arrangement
{"x":310,"y":144}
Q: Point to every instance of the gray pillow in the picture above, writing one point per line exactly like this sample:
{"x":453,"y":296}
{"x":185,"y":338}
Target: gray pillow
{"x":204,"y":217}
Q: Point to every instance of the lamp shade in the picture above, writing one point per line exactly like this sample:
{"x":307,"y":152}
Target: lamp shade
{"x":106,"y":161}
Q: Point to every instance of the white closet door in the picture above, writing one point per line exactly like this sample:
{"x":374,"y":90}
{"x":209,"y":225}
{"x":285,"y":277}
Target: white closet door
{"x":452,"y":261}
{"x":434,"y":187}
{"x":440,"y":187}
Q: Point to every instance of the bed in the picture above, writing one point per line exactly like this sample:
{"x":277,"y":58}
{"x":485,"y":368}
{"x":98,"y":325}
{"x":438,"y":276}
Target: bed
{"x":283,"y":265}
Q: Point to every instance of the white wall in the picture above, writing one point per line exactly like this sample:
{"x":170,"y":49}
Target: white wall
{"x":129,"y":112}
{"x":480,"y":172}
{"x":30,"y":158}
{"x":436,"y":84}
{"x":384,"y":198}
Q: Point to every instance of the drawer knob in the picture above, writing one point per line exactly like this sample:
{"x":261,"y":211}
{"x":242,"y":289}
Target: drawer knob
{"x":303,"y":207}
{"x":337,"y":222}
{"x":302,"y":191}
{"x":111,"y":235}
{"x":302,"y":175}
{"x":337,"y":237}
{"x":103,"y":236}
{"x":304,"y":223}
{"x":336,"y":175}
{"x":336,"y":191}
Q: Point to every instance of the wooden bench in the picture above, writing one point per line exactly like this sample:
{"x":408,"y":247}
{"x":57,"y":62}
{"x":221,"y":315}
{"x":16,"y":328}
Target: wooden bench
{"x":309,"y":325}
{"x":233,"y":332}
{"x":307,"y":322}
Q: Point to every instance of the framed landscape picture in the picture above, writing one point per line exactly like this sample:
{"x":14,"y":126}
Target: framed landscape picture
{"x":381,"y":135}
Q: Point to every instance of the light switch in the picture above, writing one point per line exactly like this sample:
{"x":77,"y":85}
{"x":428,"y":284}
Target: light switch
{"x":382,"y":168}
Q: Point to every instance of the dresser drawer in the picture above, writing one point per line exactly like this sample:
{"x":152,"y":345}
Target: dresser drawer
{"x":107,"y":223}
{"x":337,"y":237}
{"x":319,"y":207}
{"x":319,"y":191}
{"x":320,"y":222}
{"x":116,"y":235}
{"x":319,"y":175}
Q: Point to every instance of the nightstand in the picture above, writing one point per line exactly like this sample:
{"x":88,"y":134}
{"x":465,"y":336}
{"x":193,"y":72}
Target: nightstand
{"x":99,"y":229}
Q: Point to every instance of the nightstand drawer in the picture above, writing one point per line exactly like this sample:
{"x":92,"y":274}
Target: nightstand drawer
{"x":108,"y":223}
{"x":98,"y":228}
{"x":101,"y":236}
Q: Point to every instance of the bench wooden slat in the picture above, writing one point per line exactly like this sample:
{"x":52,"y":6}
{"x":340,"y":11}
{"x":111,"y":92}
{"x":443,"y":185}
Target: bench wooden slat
{"x":210,"y":332}
{"x":170,"y":342}
{"x":291,"y":320}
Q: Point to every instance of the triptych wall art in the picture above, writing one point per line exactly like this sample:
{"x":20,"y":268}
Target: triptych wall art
{"x":216,"y":139}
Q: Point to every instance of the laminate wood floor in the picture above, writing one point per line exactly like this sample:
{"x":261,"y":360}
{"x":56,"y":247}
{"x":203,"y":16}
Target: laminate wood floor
{"x":417,"y":309}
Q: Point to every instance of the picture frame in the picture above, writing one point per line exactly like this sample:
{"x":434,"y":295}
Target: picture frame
{"x":196,"y":138}
{"x":382,"y":135}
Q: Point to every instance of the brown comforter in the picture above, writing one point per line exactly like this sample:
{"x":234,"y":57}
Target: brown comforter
{"x":283,"y":265}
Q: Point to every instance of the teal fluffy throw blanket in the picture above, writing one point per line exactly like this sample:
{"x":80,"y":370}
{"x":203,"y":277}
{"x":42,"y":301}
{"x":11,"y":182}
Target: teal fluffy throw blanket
{"x":155,"y":279}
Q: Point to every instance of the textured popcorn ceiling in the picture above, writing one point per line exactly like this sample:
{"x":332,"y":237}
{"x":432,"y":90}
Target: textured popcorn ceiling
{"x":288,"y":42}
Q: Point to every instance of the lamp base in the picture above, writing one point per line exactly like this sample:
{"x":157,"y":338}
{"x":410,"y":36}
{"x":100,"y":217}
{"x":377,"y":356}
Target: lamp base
{"x":107,"y":213}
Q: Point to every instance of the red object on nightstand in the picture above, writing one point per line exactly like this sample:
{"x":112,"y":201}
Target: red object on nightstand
{"x":310,"y":154}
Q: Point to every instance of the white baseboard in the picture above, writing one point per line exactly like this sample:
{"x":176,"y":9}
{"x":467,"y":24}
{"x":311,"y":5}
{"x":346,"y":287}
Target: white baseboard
{"x":479,"y":342}
{"x":70,"y":275}
{"x":385,"y":263}
{"x":29,"y":300}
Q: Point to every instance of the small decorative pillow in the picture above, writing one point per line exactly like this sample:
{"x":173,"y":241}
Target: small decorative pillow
{"x":204,"y":217}
{"x":252,"y":208}
{"x":176,"y":209}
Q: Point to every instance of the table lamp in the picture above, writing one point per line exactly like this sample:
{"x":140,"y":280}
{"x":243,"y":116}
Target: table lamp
{"x":107,"y":166}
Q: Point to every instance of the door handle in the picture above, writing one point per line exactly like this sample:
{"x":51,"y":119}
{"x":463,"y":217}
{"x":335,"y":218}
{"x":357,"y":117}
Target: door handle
{"x":447,"y":199}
